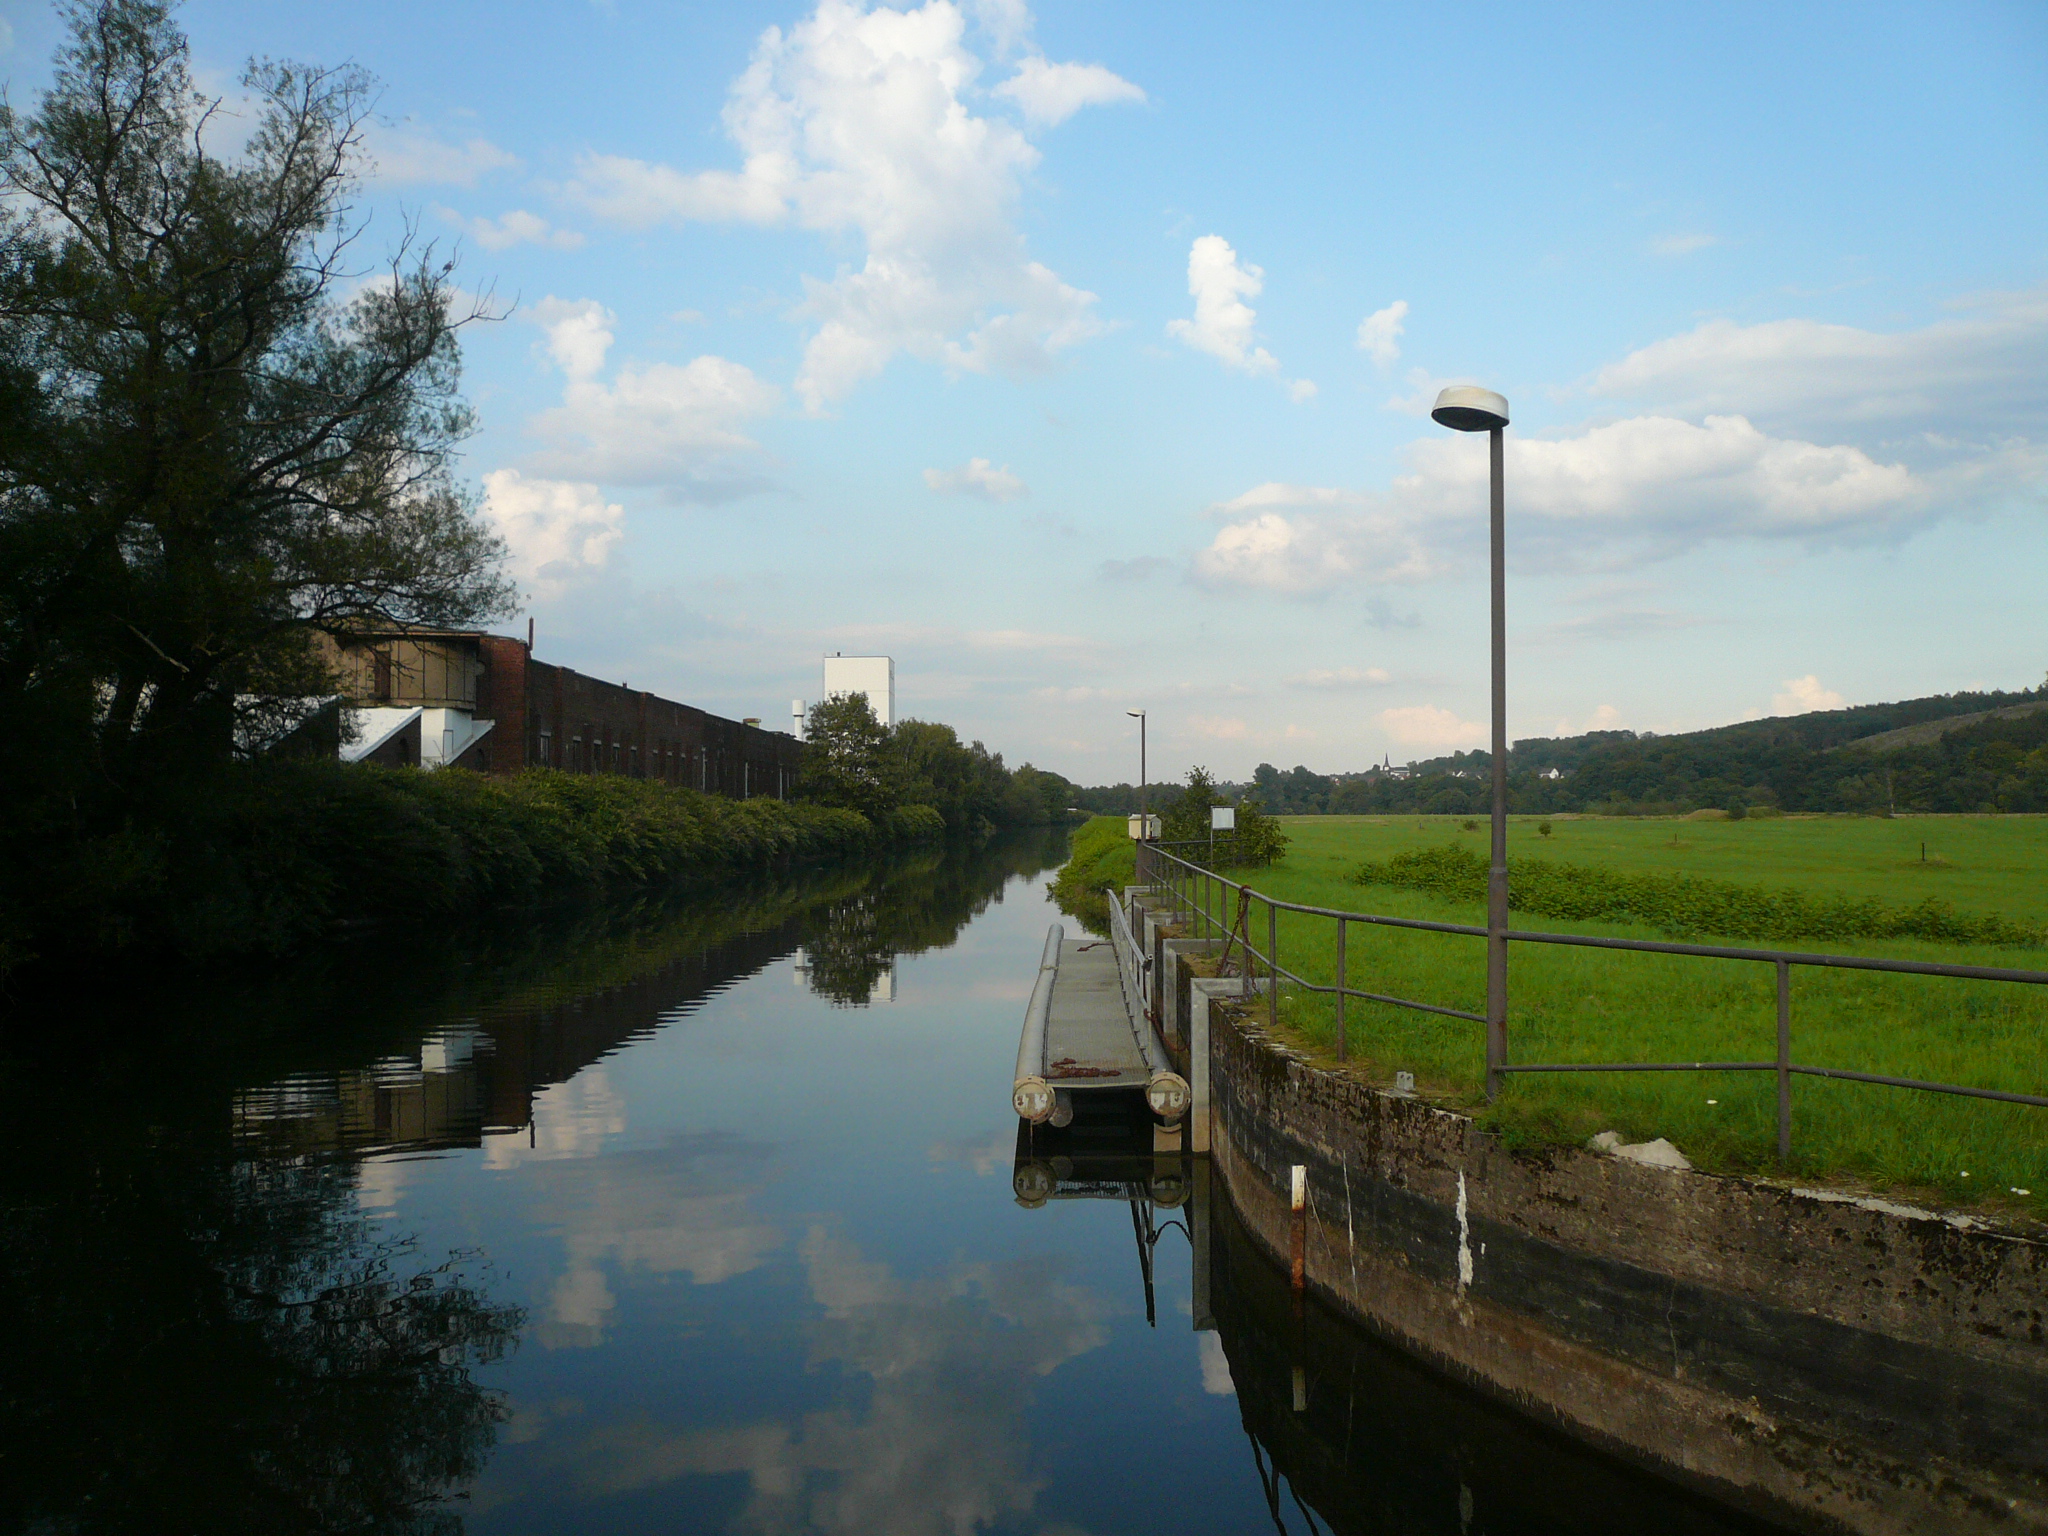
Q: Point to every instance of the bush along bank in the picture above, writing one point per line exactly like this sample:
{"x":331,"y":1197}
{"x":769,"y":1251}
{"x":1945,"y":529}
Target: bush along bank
{"x":1102,"y":857}
{"x":1685,"y":906}
{"x":277,"y":857}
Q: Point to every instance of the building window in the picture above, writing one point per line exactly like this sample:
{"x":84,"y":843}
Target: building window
{"x":547,"y":749}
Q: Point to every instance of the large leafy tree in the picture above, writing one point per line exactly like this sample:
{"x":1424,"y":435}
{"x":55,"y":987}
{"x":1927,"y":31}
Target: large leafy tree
{"x":219,"y":431}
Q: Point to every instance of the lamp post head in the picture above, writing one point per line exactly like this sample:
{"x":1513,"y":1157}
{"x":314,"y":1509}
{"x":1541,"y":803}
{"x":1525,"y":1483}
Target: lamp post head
{"x":1135,"y":714}
{"x":1468,"y":408}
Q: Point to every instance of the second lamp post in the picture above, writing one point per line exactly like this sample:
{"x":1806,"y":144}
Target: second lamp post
{"x":1468,"y":408}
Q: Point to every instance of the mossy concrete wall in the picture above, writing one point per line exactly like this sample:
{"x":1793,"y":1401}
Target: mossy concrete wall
{"x":1834,"y":1363}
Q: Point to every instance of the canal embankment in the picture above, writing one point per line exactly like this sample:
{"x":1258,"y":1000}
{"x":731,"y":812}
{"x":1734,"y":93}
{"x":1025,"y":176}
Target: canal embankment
{"x":273,"y":860}
{"x":1819,"y":1358}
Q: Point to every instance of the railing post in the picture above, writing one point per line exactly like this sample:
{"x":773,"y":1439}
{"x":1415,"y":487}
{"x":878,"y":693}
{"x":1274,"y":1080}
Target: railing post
{"x":1784,"y":1062}
{"x":1340,"y":989}
{"x":1273,"y":963}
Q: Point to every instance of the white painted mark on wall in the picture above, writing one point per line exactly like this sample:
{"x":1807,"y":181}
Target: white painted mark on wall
{"x":1464,"y":1239}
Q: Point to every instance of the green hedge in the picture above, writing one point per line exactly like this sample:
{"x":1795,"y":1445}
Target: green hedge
{"x":275,"y":857}
{"x":1685,"y":905}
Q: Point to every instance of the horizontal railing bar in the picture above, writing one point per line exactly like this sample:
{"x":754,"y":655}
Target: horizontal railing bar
{"x":1651,"y":1066}
{"x":1789,"y":956}
{"x":1914,"y":1082}
{"x":1648,"y":946}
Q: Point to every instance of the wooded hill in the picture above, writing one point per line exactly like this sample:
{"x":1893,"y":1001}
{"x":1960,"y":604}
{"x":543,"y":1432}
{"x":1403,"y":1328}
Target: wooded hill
{"x":1973,"y":752}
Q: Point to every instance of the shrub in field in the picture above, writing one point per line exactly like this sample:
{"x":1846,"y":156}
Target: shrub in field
{"x":1684,"y":905}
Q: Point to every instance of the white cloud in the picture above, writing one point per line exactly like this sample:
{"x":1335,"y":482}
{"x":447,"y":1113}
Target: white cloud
{"x":6,"y":36}
{"x":557,"y":529}
{"x":938,"y":1443}
{"x":652,"y":424}
{"x":515,"y":228}
{"x":1343,"y":536}
{"x":1379,"y":333}
{"x":1803,"y":695}
{"x":658,"y":424}
{"x":1218,"y":727}
{"x":1650,"y":485}
{"x":977,"y":478}
{"x":1975,"y":376}
{"x":1007,"y":22}
{"x":857,"y":120}
{"x":681,"y":1208}
{"x":1343,"y":677}
{"x":408,"y":155}
{"x":579,"y":333}
{"x":1424,"y":725}
{"x":1215,"y":1365}
{"x":1223,"y":324}
{"x":1052,"y":93}
{"x":1683,"y":244}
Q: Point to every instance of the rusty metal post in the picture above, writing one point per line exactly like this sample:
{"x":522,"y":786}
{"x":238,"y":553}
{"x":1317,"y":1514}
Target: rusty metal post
{"x":1340,"y":989}
{"x":1273,"y":963}
{"x":1784,"y":1062}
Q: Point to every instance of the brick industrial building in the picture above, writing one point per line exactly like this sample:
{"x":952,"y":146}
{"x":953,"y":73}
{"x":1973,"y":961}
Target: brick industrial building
{"x":445,"y":698}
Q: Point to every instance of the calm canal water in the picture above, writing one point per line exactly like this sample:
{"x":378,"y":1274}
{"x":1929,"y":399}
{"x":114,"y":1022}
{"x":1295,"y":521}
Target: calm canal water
{"x":710,"y":1227}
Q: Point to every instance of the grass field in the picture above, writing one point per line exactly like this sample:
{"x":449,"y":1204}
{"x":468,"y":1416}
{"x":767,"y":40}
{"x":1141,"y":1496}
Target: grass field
{"x":1587,"y":1005}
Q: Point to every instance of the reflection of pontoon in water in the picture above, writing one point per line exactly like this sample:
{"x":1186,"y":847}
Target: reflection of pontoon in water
{"x":1345,"y":1433}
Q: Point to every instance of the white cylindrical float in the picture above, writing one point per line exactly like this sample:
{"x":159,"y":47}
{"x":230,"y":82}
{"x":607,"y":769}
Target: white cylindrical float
{"x":1030,"y":1094}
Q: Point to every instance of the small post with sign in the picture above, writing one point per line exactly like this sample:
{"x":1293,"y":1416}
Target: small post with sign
{"x":1222,"y":818}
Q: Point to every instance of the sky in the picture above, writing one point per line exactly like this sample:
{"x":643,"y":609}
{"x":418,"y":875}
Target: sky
{"x":1079,"y":356}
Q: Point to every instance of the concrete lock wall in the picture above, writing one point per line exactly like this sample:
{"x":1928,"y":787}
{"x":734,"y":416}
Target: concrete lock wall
{"x":1833,"y":1362}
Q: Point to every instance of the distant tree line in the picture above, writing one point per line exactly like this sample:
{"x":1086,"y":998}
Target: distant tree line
{"x":1816,"y":762}
{"x":853,"y":761}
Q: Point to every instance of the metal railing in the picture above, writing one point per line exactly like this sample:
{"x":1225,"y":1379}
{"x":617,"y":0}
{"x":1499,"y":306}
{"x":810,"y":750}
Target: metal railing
{"x":1222,"y":851}
{"x":1197,"y":890}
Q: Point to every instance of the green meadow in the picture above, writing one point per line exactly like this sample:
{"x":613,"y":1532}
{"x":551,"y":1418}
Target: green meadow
{"x":1578,"y":1005}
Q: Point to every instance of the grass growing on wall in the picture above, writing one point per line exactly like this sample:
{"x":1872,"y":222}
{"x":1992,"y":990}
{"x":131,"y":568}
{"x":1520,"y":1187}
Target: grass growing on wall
{"x":1589,"y":1005}
{"x":279,"y":856}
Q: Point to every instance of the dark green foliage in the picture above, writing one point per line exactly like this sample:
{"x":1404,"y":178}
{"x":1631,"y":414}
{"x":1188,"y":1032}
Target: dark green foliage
{"x":847,"y":758}
{"x":853,"y":761}
{"x":209,"y":450}
{"x":1685,"y":905}
{"x":1184,"y":823}
{"x":282,"y":855}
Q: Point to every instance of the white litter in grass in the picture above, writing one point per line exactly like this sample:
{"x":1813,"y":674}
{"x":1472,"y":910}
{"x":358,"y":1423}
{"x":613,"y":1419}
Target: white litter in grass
{"x":2018,"y":1191}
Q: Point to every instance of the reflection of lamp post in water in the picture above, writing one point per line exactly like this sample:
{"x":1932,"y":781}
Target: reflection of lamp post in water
{"x":1468,"y":408}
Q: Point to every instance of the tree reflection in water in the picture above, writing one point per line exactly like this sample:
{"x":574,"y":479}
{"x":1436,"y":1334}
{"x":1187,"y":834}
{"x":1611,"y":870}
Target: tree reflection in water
{"x":918,"y":905}
{"x":201,"y":1343}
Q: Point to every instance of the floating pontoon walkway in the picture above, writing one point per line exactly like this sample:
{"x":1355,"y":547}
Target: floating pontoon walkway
{"x":1085,"y":1030}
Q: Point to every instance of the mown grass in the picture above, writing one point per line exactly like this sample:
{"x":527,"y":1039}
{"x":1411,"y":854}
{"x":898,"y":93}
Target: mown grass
{"x":1586,"y":1005}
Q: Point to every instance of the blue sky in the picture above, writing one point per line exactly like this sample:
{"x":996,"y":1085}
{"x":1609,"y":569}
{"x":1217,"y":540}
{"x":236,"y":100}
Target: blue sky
{"x":1078,"y":356}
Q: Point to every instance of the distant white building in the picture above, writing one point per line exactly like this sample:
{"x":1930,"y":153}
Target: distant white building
{"x":874,"y":676}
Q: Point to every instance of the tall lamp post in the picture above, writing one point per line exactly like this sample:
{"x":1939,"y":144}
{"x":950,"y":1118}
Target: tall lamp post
{"x":1468,"y":408}
{"x":1139,"y":716}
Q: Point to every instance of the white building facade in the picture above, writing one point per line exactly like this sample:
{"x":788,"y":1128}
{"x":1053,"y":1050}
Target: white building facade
{"x":874,"y":676}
